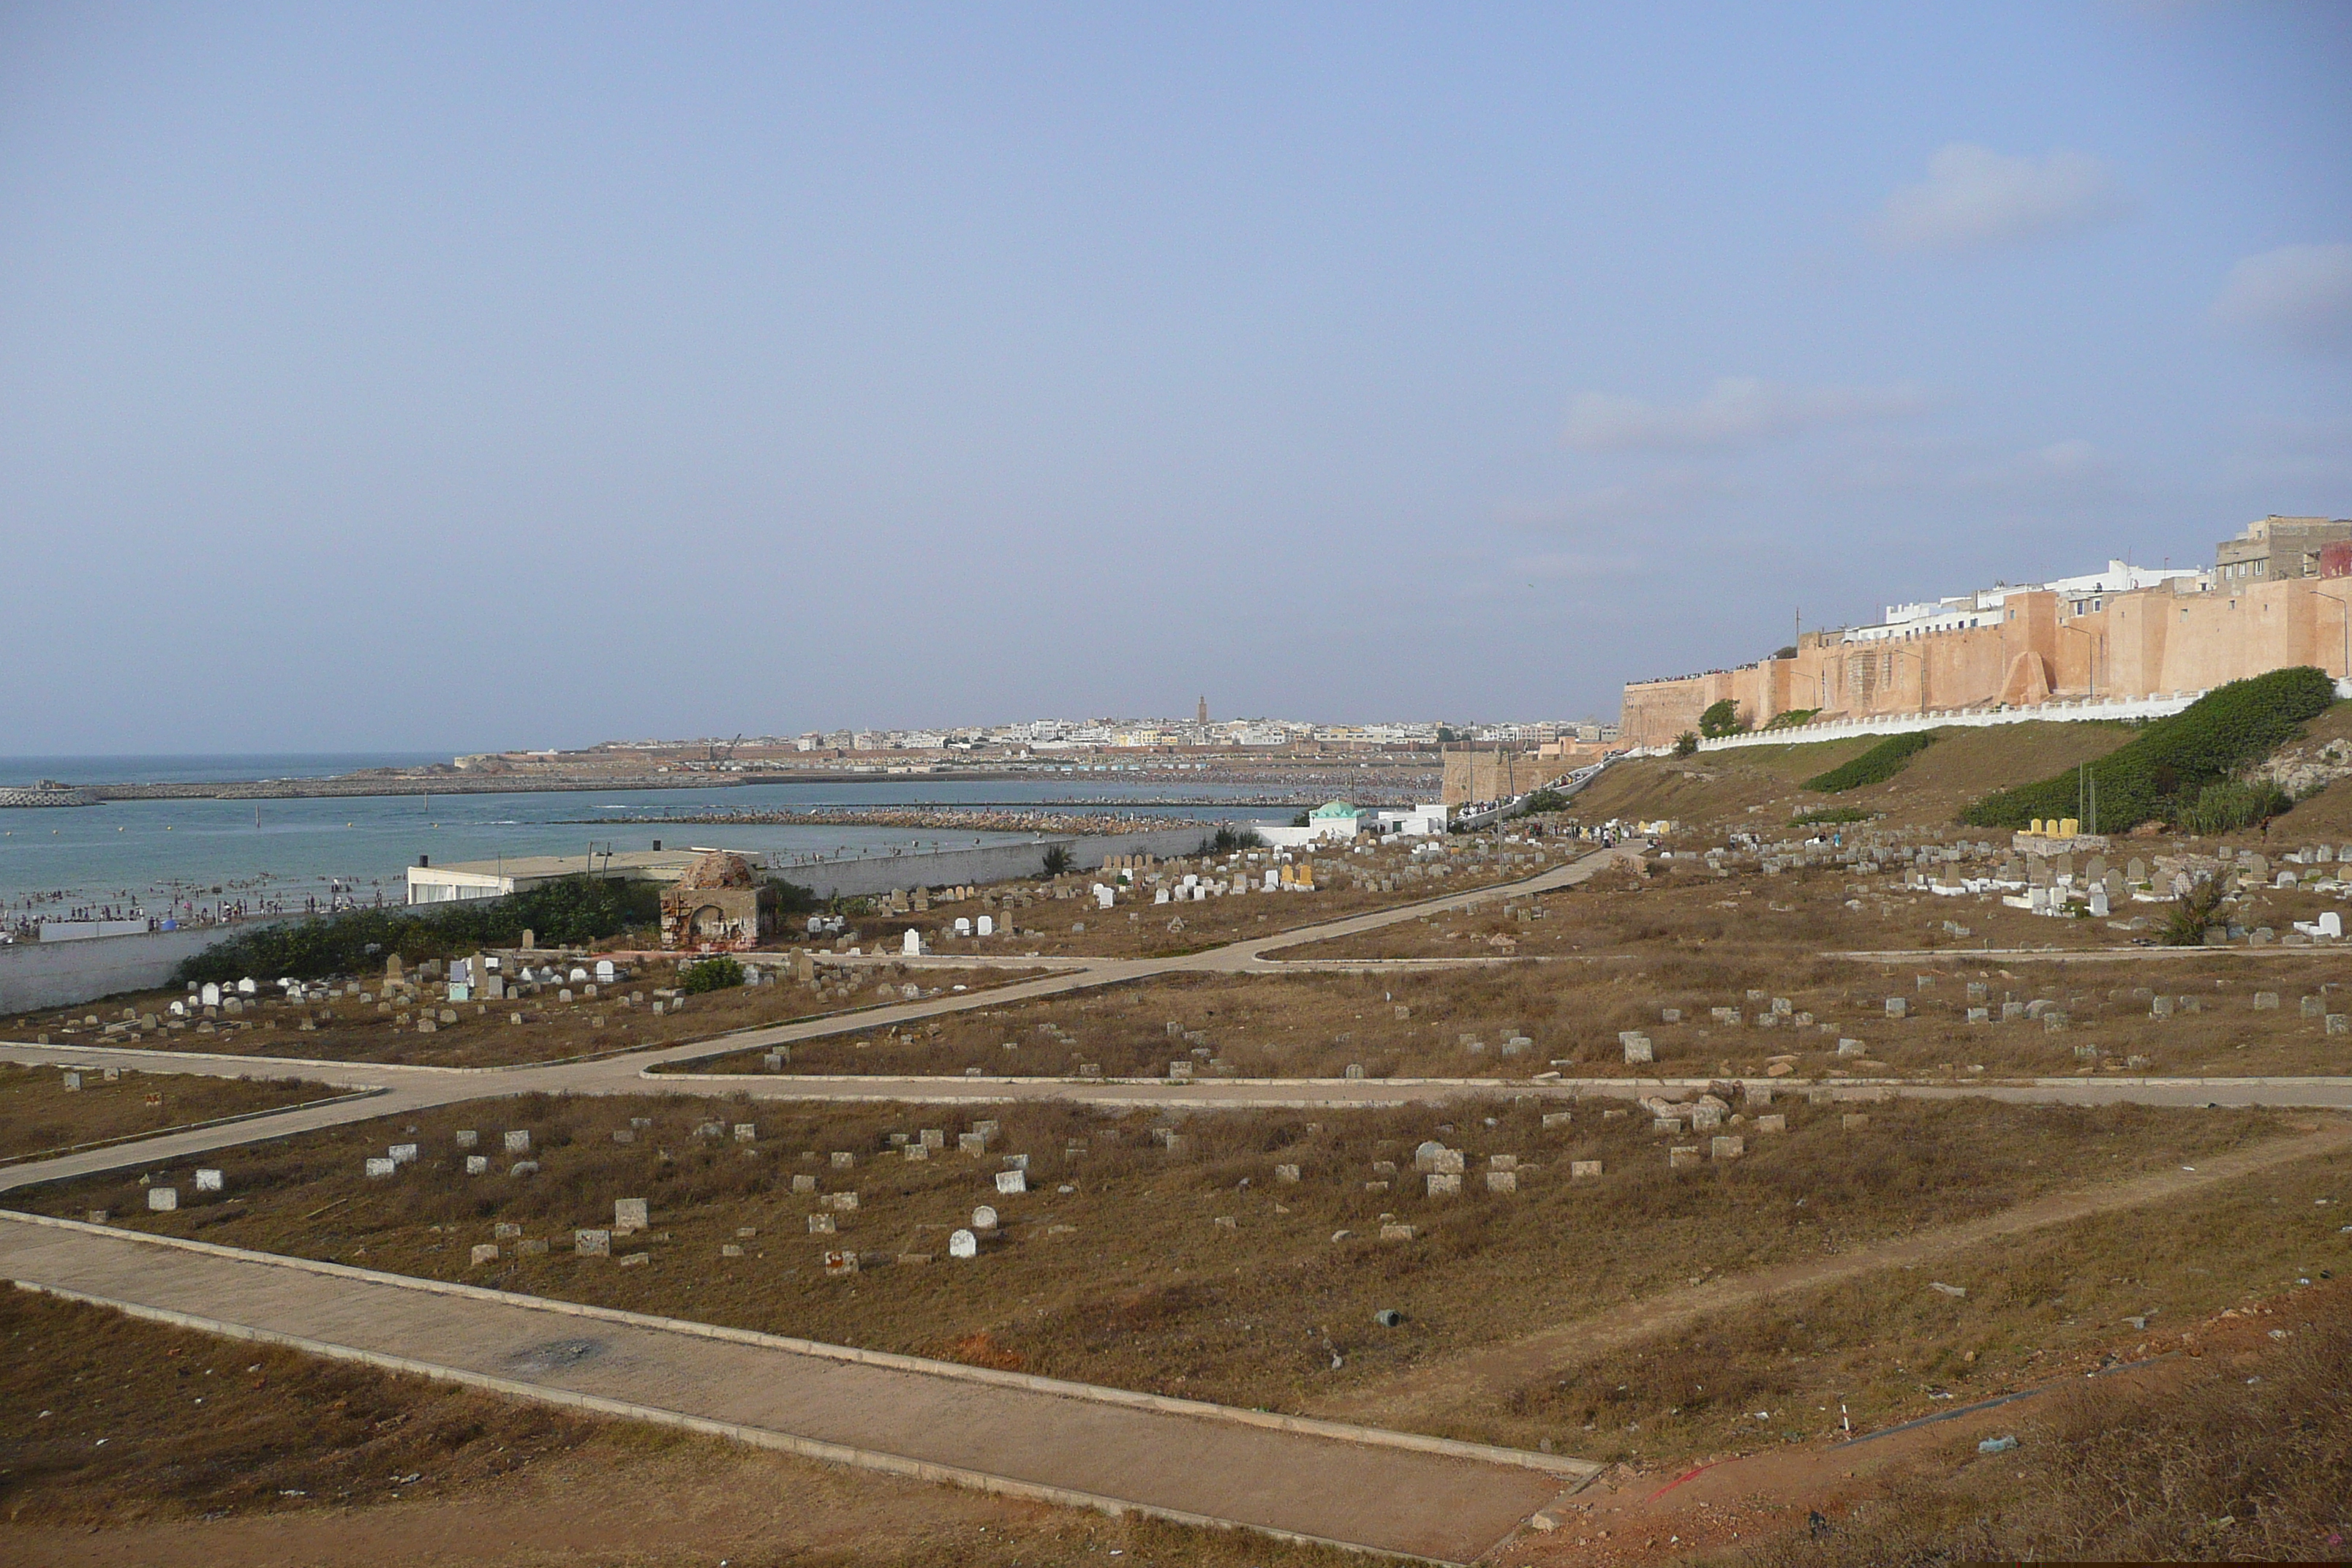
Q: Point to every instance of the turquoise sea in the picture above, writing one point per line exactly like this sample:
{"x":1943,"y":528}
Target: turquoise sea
{"x":160,"y":855}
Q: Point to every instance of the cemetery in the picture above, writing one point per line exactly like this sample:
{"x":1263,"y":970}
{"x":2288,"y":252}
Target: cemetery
{"x":536,"y":1006}
{"x":1151,"y":907}
{"x":1241,"y":1256}
{"x":46,"y":1110}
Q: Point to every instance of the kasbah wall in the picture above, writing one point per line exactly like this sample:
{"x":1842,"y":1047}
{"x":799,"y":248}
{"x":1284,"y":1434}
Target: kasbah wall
{"x":2154,"y":641}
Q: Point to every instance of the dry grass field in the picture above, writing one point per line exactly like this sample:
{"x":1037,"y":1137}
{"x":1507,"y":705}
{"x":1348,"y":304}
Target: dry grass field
{"x":2241,"y":1451}
{"x":40,"y":1115}
{"x":361,"y":1024}
{"x":129,"y":1442}
{"x":1197,"y":1269}
{"x":1413,"y":1024}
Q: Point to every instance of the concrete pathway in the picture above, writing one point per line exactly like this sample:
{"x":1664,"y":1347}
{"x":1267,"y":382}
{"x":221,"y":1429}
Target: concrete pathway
{"x":1056,"y":1442}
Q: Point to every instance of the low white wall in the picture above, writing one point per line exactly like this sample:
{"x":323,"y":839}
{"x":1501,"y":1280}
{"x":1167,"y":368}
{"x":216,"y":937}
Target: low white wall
{"x":35,"y":974}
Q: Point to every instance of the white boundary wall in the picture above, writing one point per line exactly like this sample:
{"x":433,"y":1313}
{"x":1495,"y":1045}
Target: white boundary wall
{"x":2081,"y":710}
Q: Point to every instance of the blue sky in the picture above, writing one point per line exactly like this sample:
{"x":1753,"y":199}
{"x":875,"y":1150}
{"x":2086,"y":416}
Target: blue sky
{"x":437,"y":376}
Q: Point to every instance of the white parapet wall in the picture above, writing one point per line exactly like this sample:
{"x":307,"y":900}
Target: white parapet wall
{"x":2076,"y":710}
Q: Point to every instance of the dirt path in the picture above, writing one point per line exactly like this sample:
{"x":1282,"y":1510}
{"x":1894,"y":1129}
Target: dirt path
{"x":1420,"y":1397}
{"x":1049,"y":1441}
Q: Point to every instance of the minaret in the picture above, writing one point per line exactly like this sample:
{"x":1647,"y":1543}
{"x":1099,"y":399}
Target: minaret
{"x":1202,"y":716}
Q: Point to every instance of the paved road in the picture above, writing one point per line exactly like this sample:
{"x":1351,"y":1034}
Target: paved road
{"x":1064,"y":1443}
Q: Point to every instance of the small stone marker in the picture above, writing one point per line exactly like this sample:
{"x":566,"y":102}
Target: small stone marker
{"x":804,"y":1183}
{"x":821,"y":1225}
{"x":402,"y":1154}
{"x":1443,"y":1183}
{"x":1854,"y":1121}
{"x":1636,"y":1045}
{"x":746,"y":1133}
{"x":1775,"y":1123}
{"x":1502,"y":1181}
{"x":162,"y":1200}
{"x":485,"y":1252}
{"x":1897,"y":1007}
{"x":208,"y":1181}
{"x":962,"y":1244}
{"x":518,"y":1142}
{"x":1727,"y":1148}
{"x":382,"y":1167}
{"x":73,"y":1082}
{"x":593,"y":1243}
{"x":1011,"y":1181}
{"x":1286,"y":1173}
{"x":468,"y":1139}
{"x":628,"y":1215}
{"x":1392,"y":1231}
{"x":478,"y":1164}
{"x":984,"y":1219}
{"x":1582,"y":1170}
{"x":1681,"y":1155}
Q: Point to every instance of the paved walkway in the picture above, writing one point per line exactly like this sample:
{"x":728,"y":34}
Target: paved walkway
{"x":1064,"y":1443}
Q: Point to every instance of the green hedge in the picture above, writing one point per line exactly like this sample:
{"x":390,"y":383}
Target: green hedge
{"x":569,"y":912}
{"x":1877,"y":765}
{"x":2163,"y":773}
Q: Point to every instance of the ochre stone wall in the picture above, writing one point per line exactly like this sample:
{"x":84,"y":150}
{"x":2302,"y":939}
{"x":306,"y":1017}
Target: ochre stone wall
{"x":2149,"y":643}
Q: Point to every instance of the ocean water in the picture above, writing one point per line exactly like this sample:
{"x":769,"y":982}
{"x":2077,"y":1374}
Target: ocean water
{"x":165,"y":856}
{"x":225,"y":768}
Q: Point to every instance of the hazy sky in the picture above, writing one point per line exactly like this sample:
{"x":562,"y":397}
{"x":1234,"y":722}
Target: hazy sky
{"x":488,"y":375}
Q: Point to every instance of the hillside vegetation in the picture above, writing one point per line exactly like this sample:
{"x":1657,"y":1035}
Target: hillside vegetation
{"x":1877,"y":765}
{"x":1762,"y":786}
{"x":2165,"y":773}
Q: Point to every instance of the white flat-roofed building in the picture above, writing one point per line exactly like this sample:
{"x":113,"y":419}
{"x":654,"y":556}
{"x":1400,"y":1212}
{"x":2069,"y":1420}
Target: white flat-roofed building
{"x":430,"y":884}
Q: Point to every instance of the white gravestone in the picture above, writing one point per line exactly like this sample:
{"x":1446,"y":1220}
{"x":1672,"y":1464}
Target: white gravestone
{"x":984,"y":1219}
{"x":1011,"y":1181}
{"x":208,"y":1181}
{"x":518,"y":1142}
{"x":162,"y":1200}
{"x":963,"y":1244}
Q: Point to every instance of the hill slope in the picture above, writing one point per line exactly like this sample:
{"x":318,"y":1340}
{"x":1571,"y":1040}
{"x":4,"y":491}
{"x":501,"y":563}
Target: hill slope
{"x":1756,"y":784}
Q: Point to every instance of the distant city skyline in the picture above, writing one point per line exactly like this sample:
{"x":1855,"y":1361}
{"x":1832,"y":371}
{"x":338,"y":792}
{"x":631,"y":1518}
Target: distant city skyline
{"x":440,"y":380}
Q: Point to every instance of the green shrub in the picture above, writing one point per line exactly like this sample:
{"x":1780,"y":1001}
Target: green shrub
{"x":1792,"y":719}
{"x":710,"y":975}
{"x":1541,"y":801}
{"x":1686,"y":742}
{"x":2224,"y":807}
{"x":2200,"y":908}
{"x":1056,"y":860}
{"x":572,"y":911}
{"x":2164,"y":771}
{"x":1877,"y":765}
{"x":1823,"y":816}
{"x":1229,"y":839}
{"x":1720,"y":719}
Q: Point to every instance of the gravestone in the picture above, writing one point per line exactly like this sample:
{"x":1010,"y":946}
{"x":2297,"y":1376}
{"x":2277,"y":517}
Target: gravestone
{"x":984,"y":1219}
{"x":628,"y":1215}
{"x":162,"y":1200}
{"x":208,"y":1181}
{"x":376,"y":1167}
{"x":468,"y":1140}
{"x":518,"y":1142}
{"x":822,"y":1225}
{"x":1582,"y":1170}
{"x":1727,"y":1147}
{"x":593,"y":1243}
{"x":963,"y":1244}
{"x":1011,"y":1181}
{"x":1777,"y":1122}
{"x":1445,"y":1183}
{"x":478,"y":1164}
{"x":485,"y":1252}
{"x":1681,"y":1155}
